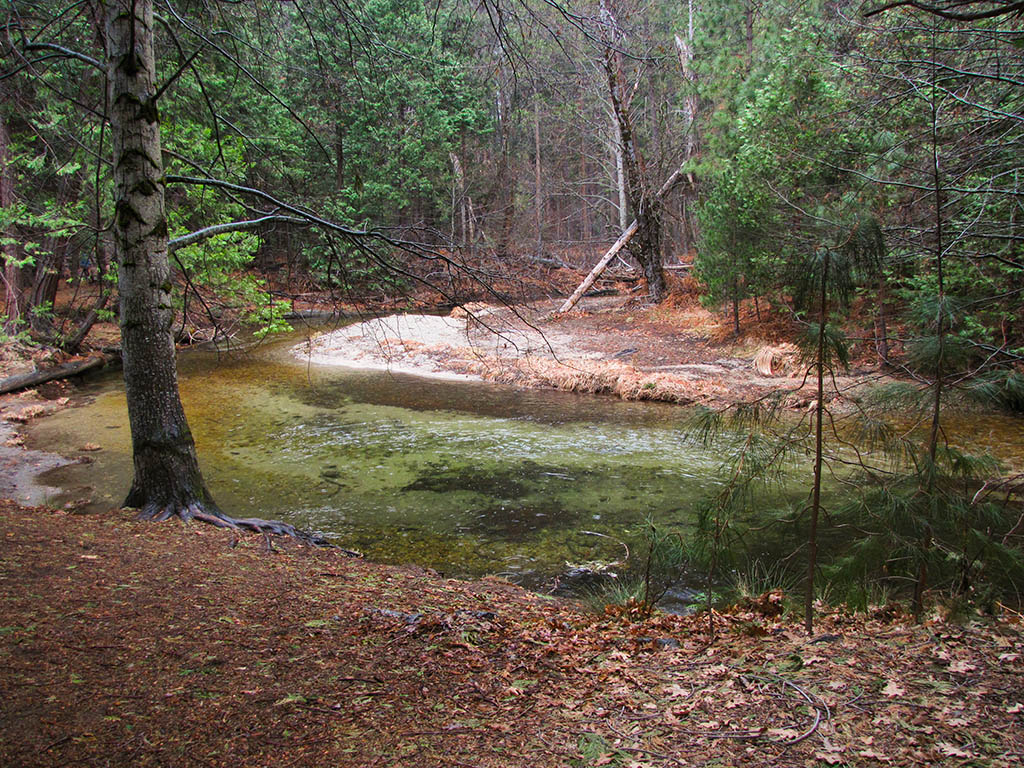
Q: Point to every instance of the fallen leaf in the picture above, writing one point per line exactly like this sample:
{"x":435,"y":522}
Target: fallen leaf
{"x":893,"y":689}
{"x":961,"y":667}
{"x":952,"y":750}
{"x":676,"y":691}
{"x":873,"y":755}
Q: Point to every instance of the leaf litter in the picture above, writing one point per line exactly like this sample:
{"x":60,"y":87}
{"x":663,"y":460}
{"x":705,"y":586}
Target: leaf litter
{"x":125,"y":643}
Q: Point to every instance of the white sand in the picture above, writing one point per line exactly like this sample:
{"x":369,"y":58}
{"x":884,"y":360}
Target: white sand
{"x":423,"y":344}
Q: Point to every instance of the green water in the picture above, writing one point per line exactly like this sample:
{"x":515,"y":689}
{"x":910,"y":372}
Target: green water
{"x":467,"y":478}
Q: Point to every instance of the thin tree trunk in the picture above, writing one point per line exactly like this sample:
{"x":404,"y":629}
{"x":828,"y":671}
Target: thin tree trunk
{"x":689,"y":192}
{"x":736,"y":308}
{"x":339,"y":156}
{"x":537,"y":182}
{"x":819,"y":412}
{"x":460,"y":200}
{"x":15,"y":283}
{"x":505,"y":182}
{"x":620,"y":177}
{"x":921,"y":584}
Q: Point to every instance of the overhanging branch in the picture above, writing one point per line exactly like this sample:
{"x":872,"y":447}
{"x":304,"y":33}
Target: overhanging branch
{"x":65,"y":52}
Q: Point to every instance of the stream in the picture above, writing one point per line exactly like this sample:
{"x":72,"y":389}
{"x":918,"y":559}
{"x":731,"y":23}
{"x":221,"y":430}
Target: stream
{"x":464,"y":477}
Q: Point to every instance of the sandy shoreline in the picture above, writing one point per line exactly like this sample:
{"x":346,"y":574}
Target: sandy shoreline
{"x":450,"y":347}
{"x":530,"y":347}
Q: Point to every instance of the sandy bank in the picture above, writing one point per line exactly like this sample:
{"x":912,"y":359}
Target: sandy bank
{"x":458,"y":346}
{"x":603,"y":349}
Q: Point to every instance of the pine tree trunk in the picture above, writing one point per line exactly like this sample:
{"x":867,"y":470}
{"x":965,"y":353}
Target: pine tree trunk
{"x":819,"y":413}
{"x":538,"y":186}
{"x":167,"y":479}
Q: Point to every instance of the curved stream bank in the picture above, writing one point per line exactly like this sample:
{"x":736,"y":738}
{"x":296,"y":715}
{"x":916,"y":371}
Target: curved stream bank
{"x":468,"y":478}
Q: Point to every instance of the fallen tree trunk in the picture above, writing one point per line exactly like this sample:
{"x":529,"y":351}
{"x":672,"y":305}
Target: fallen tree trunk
{"x":599,"y":268}
{"x":618,"y":246}
{"x":65,"y":371}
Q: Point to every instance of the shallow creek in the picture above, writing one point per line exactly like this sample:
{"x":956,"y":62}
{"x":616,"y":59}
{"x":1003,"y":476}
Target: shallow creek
{"x":467,"y":478}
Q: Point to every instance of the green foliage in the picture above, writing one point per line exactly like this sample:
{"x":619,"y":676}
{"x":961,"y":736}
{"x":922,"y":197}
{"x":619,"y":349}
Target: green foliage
{"x":1002,"y":386}
{"x":753,"y":579}
{"x":836,"y":349}
{"x":963,"y":539}
{"x":664,"y":556}
{"x":393,"y":95}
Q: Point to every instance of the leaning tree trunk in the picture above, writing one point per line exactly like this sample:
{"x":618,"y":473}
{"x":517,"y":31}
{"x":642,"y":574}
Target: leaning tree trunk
{"x":167,"y":478}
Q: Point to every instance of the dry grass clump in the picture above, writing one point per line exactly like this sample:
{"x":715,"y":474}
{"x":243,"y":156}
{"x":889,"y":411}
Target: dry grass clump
{"x":776,"y":360}
{"x":588,"y":377}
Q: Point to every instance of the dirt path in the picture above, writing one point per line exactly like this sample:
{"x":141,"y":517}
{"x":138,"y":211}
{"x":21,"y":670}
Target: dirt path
{"x":137,"y":644}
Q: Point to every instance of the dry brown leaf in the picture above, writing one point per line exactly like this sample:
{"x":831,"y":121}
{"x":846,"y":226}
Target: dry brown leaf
{"x":874,"y":755}
{"x":953,"y":751}
{"x":893,"y":689}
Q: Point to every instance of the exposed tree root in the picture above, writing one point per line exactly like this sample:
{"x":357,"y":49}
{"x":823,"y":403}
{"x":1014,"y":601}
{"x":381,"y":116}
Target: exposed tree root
{"x":196,"y":511}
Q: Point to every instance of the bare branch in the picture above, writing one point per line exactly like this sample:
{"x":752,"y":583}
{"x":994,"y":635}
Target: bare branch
{"x":947,"y":10}
{"x":66,"y":53}
{"x":232,"y":226}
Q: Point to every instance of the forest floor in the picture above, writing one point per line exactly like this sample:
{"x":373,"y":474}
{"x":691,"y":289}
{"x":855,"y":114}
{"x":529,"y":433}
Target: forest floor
{"x":126,"y":643}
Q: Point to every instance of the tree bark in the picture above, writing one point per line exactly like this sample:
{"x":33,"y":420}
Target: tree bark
{"x":620,"y":176}
{"x":538,"y":187}
{"x":645,"y":204}
{"x":688,"y":198}
{"x":15,"y":288}
{"x":167,"y":479}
